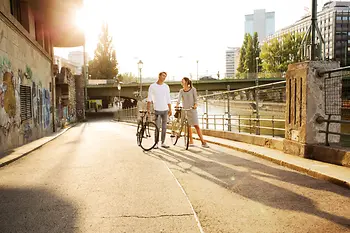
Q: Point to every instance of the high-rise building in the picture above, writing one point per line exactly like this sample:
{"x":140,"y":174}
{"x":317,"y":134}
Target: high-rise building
{"x":78,"y":57}
{"x":261,"y":22}
{"x":232,"y":61}
{"x":334,"y":24}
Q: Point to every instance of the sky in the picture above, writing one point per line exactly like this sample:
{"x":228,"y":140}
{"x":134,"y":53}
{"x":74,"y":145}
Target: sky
{"x":169,"y":35}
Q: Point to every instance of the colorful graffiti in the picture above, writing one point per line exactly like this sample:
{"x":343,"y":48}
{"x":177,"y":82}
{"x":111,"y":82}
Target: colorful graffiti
{"x":9,"y":97}
{"x":27,"y":131}
{"x":46,"y":107}
{"x":29,"y":73}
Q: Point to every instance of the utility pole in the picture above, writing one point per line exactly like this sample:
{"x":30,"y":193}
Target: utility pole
{"x":313,"y":29}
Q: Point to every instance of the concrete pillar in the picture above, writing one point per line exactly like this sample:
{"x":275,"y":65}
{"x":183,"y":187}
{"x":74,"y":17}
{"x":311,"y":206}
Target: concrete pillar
{"x":305,"y":101}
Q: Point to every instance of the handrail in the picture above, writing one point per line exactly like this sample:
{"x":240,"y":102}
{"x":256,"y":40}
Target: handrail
{"x":345,"y":68}
{"x":243,"y":89}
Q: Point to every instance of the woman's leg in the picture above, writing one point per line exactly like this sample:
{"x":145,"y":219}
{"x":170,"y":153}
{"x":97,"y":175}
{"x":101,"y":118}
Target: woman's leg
{"x":190,"y":135}
{"x":199,"y":132}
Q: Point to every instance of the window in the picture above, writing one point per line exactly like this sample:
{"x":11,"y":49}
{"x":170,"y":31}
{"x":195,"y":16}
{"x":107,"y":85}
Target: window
{"x":26,"y":102}
{"x":20,"y":10}
{"x":16,"y":9}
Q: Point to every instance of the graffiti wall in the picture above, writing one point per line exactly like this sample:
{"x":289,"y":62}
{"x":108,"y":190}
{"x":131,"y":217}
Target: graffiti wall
{"x":17,"y":126}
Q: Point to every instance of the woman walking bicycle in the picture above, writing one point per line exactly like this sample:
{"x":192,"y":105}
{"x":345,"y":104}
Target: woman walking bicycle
{"x":188,"y":96}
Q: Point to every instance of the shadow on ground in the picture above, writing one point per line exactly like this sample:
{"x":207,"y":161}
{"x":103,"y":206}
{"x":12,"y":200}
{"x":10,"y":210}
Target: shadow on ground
{"x":246,"y":178}
{"x":35,"y":210}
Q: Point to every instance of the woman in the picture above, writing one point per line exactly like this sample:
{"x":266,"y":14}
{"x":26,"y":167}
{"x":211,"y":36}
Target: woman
{"x":188,"y":95}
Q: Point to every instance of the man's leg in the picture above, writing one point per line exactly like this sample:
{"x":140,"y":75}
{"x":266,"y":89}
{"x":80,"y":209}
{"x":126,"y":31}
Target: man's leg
{"x":158,"y":119}
{"x":164,"y":123}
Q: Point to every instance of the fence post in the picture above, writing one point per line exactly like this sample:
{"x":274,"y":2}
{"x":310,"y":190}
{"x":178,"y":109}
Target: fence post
{"x":239,"y":123}
{"x":207,"y":110}
{"x":257,"y":130}
{"x":228,"y":110}
{"x":273,"y":126}
{"x":214,"y":122}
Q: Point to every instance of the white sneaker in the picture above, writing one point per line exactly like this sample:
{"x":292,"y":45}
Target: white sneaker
{"x":164,"y":145}
{"x":191,"y":145}
{"x":205,"y":145}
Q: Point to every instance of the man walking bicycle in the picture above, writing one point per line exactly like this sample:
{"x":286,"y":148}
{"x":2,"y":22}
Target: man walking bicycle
{"x":159,"y":94}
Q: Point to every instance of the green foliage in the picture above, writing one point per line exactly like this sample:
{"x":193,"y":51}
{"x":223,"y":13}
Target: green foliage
{"x":127,"y":78}
{"x":276,"y":54}
{"x":249,"y":52}
{"x":104,"y":64}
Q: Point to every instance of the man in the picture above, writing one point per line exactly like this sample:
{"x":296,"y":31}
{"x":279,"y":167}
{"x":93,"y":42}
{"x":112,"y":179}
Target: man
{"x":159,"y":94}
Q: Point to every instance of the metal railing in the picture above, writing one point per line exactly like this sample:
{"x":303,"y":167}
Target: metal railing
{"x":128,"y":114}
{"x":255,"y":110}
{"x":337,"y":105}
{"x":259,"y":109}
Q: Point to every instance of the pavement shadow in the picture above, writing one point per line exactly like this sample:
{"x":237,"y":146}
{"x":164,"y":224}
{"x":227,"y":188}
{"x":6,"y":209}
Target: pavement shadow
{"x":35,"y":210}
{"x":246,"y":179}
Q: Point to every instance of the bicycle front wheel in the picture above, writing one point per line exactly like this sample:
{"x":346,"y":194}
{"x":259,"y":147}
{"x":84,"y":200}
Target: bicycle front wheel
{"x":186,"y":134}
{"x":149,"y":136}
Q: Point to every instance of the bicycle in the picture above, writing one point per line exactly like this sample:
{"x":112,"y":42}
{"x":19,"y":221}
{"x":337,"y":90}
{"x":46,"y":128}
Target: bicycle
{"x":180,"y":127}
{"x":143,"y":133}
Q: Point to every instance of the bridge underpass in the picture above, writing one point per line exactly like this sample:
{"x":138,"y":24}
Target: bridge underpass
{"x":131,"y":90}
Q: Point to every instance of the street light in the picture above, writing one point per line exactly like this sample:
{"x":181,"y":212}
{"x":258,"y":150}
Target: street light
{"x":119,"y":88}
{"x":197,"y":71}
{"x":140,"y":65}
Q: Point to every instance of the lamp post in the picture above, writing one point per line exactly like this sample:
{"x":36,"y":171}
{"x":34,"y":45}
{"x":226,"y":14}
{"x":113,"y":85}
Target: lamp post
{"x":119,"y":88}
{"x":197,"y":71}
{"x":140,"y":65}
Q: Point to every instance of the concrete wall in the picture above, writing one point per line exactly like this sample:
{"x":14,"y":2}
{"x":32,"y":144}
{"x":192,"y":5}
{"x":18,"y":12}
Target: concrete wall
{"x":22,"y":62}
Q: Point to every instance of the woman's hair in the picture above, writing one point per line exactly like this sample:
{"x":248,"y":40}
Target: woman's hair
{"x":188,"y":81}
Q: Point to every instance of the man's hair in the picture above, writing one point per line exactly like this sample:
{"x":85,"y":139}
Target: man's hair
{"x":162,"y":73}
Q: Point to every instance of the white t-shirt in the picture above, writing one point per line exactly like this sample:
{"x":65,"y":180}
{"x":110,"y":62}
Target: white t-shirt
{"x":160,"y":96}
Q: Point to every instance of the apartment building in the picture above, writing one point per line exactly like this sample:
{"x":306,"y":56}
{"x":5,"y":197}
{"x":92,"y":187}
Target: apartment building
{"x":334,"y":24}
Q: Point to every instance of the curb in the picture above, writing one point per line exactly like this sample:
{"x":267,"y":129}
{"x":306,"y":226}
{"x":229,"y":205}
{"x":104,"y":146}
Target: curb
{"x":307,"y":171}
{"x":35,"y":148}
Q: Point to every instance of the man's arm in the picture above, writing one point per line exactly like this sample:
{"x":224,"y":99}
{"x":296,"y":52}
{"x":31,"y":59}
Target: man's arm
{"x":169,"y":102}
{"x":149,"y":98}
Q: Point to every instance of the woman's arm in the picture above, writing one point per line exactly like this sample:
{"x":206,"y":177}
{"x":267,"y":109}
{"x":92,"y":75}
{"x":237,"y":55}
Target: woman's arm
{"x":194,"y":98}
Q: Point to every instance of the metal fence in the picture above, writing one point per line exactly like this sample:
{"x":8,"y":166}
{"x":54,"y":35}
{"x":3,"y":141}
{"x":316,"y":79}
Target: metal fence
{"x":255,"y":110}
{"x":337,"y":105}
{"x":128,"y":114}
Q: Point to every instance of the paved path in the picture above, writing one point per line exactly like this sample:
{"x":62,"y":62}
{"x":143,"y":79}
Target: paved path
{"x":94,"y":178}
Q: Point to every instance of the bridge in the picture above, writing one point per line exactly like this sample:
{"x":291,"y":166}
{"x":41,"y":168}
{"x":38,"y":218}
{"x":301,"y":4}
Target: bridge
{"x":129,"y":90}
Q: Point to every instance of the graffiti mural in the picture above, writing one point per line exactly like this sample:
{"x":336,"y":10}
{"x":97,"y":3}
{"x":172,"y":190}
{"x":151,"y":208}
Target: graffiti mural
{"x":29,"y":73}
{"x":46,"y":107}
{"x":3,"y":88}
{"x":27,"y":131}
{"x":9,"y":97}
{"x":35,"y":103}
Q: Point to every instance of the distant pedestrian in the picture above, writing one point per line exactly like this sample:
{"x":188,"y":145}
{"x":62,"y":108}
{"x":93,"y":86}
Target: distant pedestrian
{"x":188,"y":96}
{"x":159,"y":94}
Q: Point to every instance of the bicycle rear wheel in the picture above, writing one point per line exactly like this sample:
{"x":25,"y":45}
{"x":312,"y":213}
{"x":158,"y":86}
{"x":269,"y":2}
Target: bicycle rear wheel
{"x":138,"y":131}
{"x":176,"y":131}
{"x":186,"y":134}
{"x":149,"y":136}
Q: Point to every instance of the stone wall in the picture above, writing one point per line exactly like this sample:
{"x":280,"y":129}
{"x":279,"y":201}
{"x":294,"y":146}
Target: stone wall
{"x":80,"y":96}
{"x":22,"y":63}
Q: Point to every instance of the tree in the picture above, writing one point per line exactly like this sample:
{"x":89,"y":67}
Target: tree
{"x":241,"y":68}
{"x":249,"y":52}
{"x":276,"y":54}
{"x":256,"y":49}
{"x":127,"y":78}
{"x":104,"y":64}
